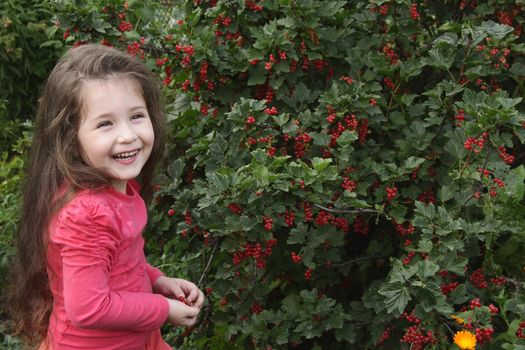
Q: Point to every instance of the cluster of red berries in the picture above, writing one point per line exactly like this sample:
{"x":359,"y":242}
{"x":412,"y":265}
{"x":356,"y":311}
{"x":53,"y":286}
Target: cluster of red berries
{"x":255,"y":251}
{"x":427,"y":197}
{"x":268,"y":223}
{"x":351,"y":124}
{"x":360,"y":226}
{"x":250,"y":120}
{"x":414,"y":13}
{"x":389,"y":83}
{"x":348,"y":184}
{"x":271,"y":151}
{"x":493,"y":309}
{"x":463,"y":4}
{"x":498,"y":58}
{"x":300,"y":142}
{"x":161,"y":61}
{"x":253,"y":6}
{"x":478,"y":279}
{"x":363,"y":130}
{"x":391,"y":193}
{"x":296,"y":258}
{"x":342,"y":224}
{"x":235,"y":208}
{"x":475,"y":144}
{"x":320,"y":64}
{"x":308,"y":212}
{"x":135,"y":48}
{"x":167,"y":80}
{"x":520,"y":333}
{"x":414,"y":335}
{"x":187,"y":51}
{"x":403,"y":230}
{"x":408,"y":259}
{"x":484,"y":335}
{"x":417,"y":338}
{"x":410,"y":317}
{"x":346,"y":79}
{"x":382,"y":9}
{"x":125,"y":26}
{"x":384,"y":337}
{"x":187,"y":218}
{"x":204,"y":108}
{"x":448,"y":288}
{"x":499,"y":280}
{"x":507,"y":158}
{"x":308,"y":274}
{"x":499,"y":182}
{"x":256,"y":308}
{"x":289,"y":217}
{"x":459,"y":117}
{"x":391,"y":54}
{"x":324,"y":218}
{"x":271,"y":111}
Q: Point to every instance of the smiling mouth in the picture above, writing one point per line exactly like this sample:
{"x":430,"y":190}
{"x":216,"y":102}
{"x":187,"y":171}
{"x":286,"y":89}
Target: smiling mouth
{"x":126,"y":155}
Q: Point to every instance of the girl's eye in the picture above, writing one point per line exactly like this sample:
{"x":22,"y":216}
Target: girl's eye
{"x":137,"y":116}
{"x":104,"y":123}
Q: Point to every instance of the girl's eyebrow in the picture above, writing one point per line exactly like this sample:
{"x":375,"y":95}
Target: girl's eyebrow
{"x":131,"y":110}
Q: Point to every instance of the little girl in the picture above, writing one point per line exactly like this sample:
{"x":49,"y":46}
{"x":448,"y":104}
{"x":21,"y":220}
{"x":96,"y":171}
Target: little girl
{"x":80,"y":279}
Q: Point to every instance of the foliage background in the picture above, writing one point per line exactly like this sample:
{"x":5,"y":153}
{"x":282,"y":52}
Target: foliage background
{"x":342,"y":174}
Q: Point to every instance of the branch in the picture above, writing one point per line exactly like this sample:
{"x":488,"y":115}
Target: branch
{"x":208,"y":264}
{"x":348,"y":211}
{"x":349,"y":262}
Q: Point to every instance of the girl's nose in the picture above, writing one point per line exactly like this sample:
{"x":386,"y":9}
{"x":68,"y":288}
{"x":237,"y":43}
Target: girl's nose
{"x":126,"y":134}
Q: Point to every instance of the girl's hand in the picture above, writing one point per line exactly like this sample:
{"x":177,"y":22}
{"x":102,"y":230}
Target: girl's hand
{"x":180,"y":289}
{"x":180,"y":314}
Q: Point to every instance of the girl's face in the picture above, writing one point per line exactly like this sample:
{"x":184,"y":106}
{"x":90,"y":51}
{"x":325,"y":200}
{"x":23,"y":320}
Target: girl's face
{"x":115,"y":132}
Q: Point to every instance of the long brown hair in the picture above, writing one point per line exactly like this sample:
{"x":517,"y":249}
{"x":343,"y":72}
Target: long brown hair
{"x":55,"y":160}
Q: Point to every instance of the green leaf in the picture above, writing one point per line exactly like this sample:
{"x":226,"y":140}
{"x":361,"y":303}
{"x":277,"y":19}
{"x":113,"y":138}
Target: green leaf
{"x":320,"y":139}
{"x":413,"y":162}
{"x":440,"y":58}
{"x":455,"y":265}
{"x":346,"y":334}
{"x":397,"y":297}
{"x":320,"y":164}
{"x":445,"y":193}
{"x":515,"y":182}
{"x":497,"y":30}
{"x":459,"y":295}
{"x":291,"y":305}
{"x":427,"y":269}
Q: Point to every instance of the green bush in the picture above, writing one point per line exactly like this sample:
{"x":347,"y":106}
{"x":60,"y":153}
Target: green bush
{"x":24,"y":62}
{"x":342,"y":174}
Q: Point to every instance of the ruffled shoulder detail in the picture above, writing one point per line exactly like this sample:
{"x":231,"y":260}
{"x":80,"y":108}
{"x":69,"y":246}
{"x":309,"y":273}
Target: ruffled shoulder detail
{"x":87,"y":225}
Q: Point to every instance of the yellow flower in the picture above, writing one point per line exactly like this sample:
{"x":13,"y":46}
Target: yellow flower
{"x":465,"y":340}
{"x":458,"y":320}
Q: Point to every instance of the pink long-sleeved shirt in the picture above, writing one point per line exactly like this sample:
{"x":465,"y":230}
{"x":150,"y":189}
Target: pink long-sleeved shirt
{"x":99,"y":277}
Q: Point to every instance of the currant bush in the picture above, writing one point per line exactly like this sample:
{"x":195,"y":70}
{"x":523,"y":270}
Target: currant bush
{"x":343,"y":174}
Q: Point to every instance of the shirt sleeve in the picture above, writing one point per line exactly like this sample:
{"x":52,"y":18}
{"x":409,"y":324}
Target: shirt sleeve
{"x":153,"y":273}
{"x":89,"y":241}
